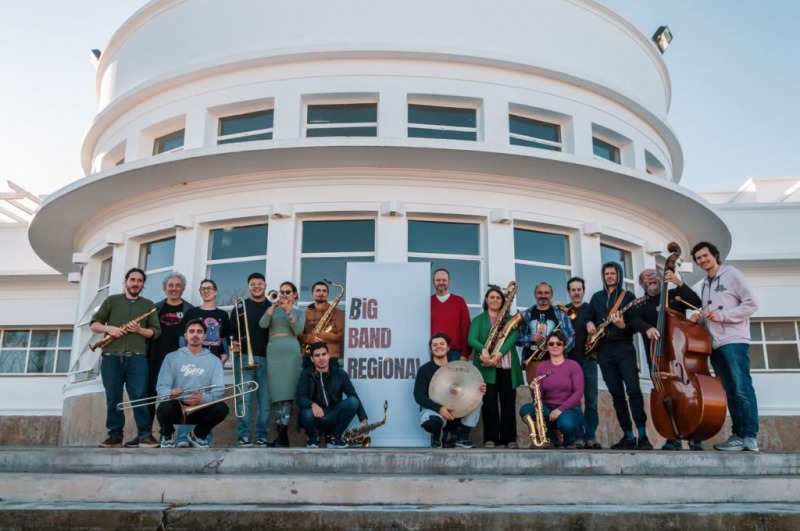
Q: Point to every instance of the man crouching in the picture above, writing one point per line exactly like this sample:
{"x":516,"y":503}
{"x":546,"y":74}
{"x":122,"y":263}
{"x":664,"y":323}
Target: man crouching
{"x":190,"y":376}
{"x":319,"y":397}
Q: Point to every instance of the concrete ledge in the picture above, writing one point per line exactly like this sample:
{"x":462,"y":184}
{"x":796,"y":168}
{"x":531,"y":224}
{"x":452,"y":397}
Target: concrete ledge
{"x":777,"y":517}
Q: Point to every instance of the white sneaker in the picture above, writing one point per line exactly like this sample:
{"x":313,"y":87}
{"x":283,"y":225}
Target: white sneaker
{"x":733,"y":444}
{"x":750,"y":444}
{"x":167,"y":442}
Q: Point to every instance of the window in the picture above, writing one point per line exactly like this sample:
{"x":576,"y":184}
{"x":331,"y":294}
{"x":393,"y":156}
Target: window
{"x":246,"y":127}
{"x":104,"y":285}
{"x":774,"y":345}
{"x":234,"y":253}
{"x":428,"y":121}
{"x":653,"y":166}
{"x":540,"y":257}
{"x":604,"y":150}
{"x":352,"y":119}
{"x":156,"y":258}
{"x":31,"y":351}
{"x":327,"y":246}
{"x":455,"y":247}
{"x":534,"y":133}
{"x":168,"y":143}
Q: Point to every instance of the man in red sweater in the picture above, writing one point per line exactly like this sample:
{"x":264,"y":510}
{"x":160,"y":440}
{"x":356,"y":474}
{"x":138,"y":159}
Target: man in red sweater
{"x":449,"y":314}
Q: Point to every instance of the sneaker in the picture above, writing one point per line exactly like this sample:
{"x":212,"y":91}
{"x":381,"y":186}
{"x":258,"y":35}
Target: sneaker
{"x":696,"y":446}
{"x":313,"y":442}
{"x":337,"y":442}
{"x":733,"y":444}
{"x":149,"y":442}
{"x":244,"y":442}
{"x":167,"y":442}
{"x":592,"y":444}
{"x":672,"y":444}
{"x":579,"y":445}
{"x":261,"y":442}
{"x":568,"y":447}
{"x":111,"y":442}
{"x":488,"y":444}
{"x":644,"y":444}
{"x":512,"y":445}
{"x":465,"y":443}
{"x":436,"y":440}
{"x":183,"y":442}
{"x":624,"y":444}
{"x":749,"y":444}
{"x":133,"y":443}
{"x":197,"y":442}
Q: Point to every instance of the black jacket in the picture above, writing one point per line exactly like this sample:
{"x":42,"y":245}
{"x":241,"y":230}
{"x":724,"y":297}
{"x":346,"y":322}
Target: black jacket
{"x":326,"y":389}
{"x":600,"y":305}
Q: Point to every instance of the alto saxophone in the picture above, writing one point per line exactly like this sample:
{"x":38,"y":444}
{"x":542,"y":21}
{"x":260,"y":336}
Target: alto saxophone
{"x":358,"y":436}
{"x":538,"y":427}
{"x":324,"y":324}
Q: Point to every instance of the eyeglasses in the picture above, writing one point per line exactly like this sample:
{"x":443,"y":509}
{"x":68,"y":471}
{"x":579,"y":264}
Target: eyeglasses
{"x":555,"y":343}
{"x":207,"y":288}
{"x":286,"y":292}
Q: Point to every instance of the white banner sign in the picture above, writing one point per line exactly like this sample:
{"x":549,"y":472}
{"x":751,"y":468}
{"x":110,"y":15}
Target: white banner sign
{"x":388,"y":324}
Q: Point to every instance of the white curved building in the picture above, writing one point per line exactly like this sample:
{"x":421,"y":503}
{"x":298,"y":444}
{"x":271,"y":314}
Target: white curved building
{"x":518,"y":139}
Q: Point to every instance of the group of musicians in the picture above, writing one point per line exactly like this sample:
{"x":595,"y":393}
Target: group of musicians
{"x":284,"y":355}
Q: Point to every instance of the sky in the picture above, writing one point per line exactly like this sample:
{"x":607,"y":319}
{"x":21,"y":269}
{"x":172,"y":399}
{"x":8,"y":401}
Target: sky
{"x":734,"y":66}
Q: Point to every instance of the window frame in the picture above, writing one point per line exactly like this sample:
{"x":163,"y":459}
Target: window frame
{"x":29,"y":348}
{"x":541,"y":143}
{"x":570,"y":268}
{"x":209,"y":262}
{"x":764,"y":343}
{"x":162,"y":139}
{"x":221,"y":139}
{"x":475,"y":107}
{"x":338,"y":125}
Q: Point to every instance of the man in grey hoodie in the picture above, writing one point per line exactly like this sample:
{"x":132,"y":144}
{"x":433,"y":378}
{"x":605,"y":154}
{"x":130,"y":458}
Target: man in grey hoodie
{"x":190,"y":376}
{"x":727,"y":303}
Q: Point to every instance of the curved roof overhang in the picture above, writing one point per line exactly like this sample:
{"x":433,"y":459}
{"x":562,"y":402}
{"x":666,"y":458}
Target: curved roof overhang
{"x":64,"y":214}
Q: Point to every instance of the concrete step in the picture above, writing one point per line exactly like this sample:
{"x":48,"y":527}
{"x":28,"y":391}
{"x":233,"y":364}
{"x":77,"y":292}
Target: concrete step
{"x":718,"y":516}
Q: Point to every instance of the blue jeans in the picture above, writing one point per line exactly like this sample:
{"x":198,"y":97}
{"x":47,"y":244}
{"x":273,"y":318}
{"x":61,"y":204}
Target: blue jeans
{"x":245,"y":403}
{"x":618,"y":365}
{"x":129,"y":372}
{"x":569,"y":423}
{"x":732,"y":364}
{"x":335,"y":421}
{"x":590,"y":417}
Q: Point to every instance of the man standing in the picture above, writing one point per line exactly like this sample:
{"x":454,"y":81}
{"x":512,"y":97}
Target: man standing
{"x":218,"y":326}
{"x":449,"y":314}
{"x":191,"y":376}
{"x":171,"y":313}
{"x":576,"y":288}
{"x":647,"y":321}
{"x":729,"y":304}
{"x":124,"y":360}
{"x":435,"y":418}
{"x":320,"y":391}
{"x":541,"y":319}
{"x":314,"y":312}
{"x":616,"y":356}
{"x":254,"y":308}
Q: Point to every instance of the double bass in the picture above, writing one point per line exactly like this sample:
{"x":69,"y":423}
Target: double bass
{"x":686,"y":401}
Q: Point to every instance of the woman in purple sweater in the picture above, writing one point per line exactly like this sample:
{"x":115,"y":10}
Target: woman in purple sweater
{"x":561,"y":390}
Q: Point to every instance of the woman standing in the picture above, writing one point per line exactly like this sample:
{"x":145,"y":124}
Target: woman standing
{"x":285,"y":323}
{"x":561,"y":392}
{"x":501,"y":372}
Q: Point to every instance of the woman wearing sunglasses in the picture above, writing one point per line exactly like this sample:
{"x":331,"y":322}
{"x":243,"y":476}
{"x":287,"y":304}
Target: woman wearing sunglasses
{"x":561,"y":392}
{"x":285,"y":322}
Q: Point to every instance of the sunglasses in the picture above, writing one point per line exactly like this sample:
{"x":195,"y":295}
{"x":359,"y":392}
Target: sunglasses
{"x":555,"y":344}
{"x":286,"y":292}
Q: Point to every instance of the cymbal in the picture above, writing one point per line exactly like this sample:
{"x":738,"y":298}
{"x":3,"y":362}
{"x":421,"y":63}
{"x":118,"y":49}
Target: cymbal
{"x":457,"y":386}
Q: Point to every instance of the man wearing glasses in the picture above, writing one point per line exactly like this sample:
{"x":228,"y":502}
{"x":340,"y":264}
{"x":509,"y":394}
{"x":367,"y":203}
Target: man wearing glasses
{"x":218,"y":325}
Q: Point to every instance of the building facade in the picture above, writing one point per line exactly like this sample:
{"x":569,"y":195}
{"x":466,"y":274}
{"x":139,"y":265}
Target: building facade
{"x":293,"y":138}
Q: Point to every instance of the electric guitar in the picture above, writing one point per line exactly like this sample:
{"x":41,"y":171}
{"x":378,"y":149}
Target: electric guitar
{"x":593,"y":341}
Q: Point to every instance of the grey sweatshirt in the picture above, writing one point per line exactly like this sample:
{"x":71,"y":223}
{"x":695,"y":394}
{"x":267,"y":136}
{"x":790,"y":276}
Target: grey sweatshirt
{"x":730,"y":295}
{"x":191,"y":371}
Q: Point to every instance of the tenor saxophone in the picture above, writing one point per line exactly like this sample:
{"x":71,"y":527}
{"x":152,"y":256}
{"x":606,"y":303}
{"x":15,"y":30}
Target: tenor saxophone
{"x":538,"y":427}
{"x":358,"y":436}
{"x":324,"y":324}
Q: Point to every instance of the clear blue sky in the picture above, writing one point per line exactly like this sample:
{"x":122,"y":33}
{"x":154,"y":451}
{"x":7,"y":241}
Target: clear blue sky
{"x":734,"y":64}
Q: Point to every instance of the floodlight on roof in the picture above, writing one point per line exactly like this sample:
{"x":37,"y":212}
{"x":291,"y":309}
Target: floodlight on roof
{"x":662,"y":37}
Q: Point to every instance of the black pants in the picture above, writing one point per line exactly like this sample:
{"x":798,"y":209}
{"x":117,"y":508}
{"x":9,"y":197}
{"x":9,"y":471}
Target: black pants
{"x":499,"y":410}
{"x":169,"y":413}
{"x":621,"y":373}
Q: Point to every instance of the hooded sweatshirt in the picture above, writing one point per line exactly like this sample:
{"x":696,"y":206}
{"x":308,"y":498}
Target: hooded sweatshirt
{"x":191,"y":371}
{"x":600,"y":306}
{"x":730,"y":295}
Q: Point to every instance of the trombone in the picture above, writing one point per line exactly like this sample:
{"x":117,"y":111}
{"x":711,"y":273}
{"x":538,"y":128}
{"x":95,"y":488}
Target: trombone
{"x":241,"y":313}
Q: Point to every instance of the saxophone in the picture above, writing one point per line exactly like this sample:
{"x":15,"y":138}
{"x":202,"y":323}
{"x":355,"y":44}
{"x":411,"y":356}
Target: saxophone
{"x":324,"y":324}
{"x":538,"y":427}
{"x":499,"y":332}
{"x":358,"y":436}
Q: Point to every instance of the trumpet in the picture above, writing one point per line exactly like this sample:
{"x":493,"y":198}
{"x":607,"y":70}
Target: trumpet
{"x":273,"y":296}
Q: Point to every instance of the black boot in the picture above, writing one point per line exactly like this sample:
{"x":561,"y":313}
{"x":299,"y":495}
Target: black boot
{"x":283,"y":437}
